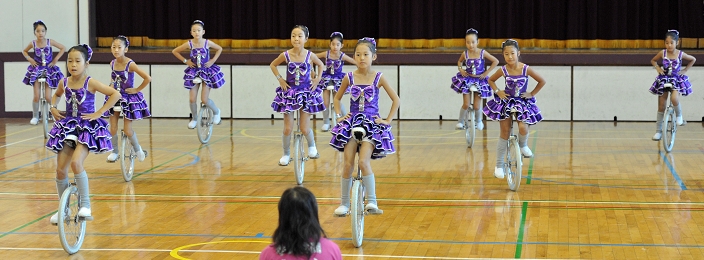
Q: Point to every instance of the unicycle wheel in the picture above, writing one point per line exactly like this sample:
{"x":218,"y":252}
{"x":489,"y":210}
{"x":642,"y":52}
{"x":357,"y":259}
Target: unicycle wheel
{"x":514,"y":163}
{"x":72,"y":229}
{"x":357,"y":212}
{"x":299,"y":162}
{"x":205,"y":124}
{"x":127,"y":156}
{"x":668,"y":139}
{"x":470,"y":130}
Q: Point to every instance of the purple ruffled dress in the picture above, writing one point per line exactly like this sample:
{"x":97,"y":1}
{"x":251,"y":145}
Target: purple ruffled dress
{"x":680,"y":82}
{"x":211,"y":76}
{"x":94,"y":134}
{"x":299,"y":95}
{"x":461,"y":84}
{"x":500,"y":109}
{"x":364,"y":106}
{"x":43,"y":57}
{"x":332,"y":75}
{"x":133,"y":105}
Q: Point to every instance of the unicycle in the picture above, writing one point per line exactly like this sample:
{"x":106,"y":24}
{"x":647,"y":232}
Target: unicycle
{"x":72,"y":228}
{"x":127,"y":156}
{"x":357,"y":197}
{"x":204,"y":120}
{"x":469,"y":121}
{"x":513,"y":165}
{"x":299,"y":155}
{"x":43,"y":105}
{"x":669,"y":120}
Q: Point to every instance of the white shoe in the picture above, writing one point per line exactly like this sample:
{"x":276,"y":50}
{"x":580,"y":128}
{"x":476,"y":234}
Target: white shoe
{"x":216,"y":119}
{"x":54,"y":219}
{"x":284,"y":160}
{"x":459,"y":126}
{"x":657,"y":136}
{"x":680,"y":121}
{"x":372,"y":209}
{"x":84,"y":212}
{"x":480,"y":125}
{"x":325,"y":128}
{"x":34,"y":121}
{"x":141,"y":155}
{"x":342,"y":210}
{"x":499,"y":173}
{"x":192,"y":124}
{"x":527,"y":153}
{"x":313,"y":153}
{"x":113,"y":157}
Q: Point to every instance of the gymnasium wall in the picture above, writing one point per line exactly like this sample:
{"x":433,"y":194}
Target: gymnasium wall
{"x":571,"y":93}
{"x":64,"y":24}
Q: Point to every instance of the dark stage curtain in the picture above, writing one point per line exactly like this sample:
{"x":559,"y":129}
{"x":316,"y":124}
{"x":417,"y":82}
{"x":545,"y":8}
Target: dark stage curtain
{"x":404,"y":19}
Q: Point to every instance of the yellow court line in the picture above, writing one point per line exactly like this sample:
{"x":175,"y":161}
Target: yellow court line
{"x":22,"y":131}
{"x":244,"y":133}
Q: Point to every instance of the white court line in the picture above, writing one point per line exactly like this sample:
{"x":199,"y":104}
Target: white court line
{"x":394,"y":200}
{"x":219,"y":251}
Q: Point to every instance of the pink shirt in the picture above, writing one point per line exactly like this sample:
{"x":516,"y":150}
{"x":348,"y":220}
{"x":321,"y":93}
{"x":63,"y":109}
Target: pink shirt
{"x":326,"y":250}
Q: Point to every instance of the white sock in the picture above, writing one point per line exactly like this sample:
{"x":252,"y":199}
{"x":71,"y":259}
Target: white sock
{"x":83,"y":190}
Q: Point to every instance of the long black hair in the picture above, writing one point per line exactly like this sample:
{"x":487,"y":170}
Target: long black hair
{"x":299,"y":228}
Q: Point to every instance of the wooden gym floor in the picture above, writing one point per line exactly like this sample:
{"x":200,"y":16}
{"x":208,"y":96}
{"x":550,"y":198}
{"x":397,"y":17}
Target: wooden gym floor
{"x":593,"y":190}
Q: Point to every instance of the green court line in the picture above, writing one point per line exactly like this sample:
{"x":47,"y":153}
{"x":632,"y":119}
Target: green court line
{"x":182,"y":155}
{"x":519,"y":240}
{"x":25,"y":225}
{"x":530,"y":166}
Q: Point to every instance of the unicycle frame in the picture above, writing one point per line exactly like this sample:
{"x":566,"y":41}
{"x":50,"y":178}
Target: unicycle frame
{"x":299,"y":155}
{"x":669,"y":124}
{"x":513,"y":162}
{"x":333,"y":115}
{"x":72,"y":228}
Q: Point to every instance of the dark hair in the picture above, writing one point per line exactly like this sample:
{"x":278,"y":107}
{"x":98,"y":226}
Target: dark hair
{"x":201,"y":23}
{"x":336,"y":35}
{"x":471,"y":31}
{"x":674,"y":34}
{"x":367,"y":41}
{"x":510,"y":42}
{"x":303,"y":28}
{"x":123,"y":39}
{"x":84,"y":49}
{"x":38,"y":23}
{"x":299,"y":228}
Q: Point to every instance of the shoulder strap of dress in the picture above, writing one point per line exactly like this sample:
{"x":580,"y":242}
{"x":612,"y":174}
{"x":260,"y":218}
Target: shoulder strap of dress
{"x":664,"y":53}
{"x":525,"y":69}
{"x":190,"y":44}
{"x":112,"y":64}
{"x":351,"y":77}
{"x":287,"y":58}
{"x":34,"y":43}
{"x":85,"y":84}
{"x":377,"y":78}
{"x":127,"y":68}
{"x":48,"y":42}
{"x":342,"y":54}
{"x":466,"y":54}
{"x":307,"y":57}
{"x":679,"y":56}
{"x":503,"y":68}
{"x":327,"y":56}
{"x":481,"y":54}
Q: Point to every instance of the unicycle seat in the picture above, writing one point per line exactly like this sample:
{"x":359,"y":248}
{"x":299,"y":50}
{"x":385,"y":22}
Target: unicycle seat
{"x":359,"y":133}
{"x":197,"y":80}
{"x":473,"y":88}
{"x":330,"y":87}
{"x":42,"y":79}
{"x":71,"y":140}
{"x":513,"y":110}
{"x":117,"y":108}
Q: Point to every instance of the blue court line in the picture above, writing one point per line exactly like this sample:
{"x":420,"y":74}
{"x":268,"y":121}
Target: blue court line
{"x":374,"y":240}
{"x":22,"y":166}
{"x":672,"y":170}
{"x":259,"y":235}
